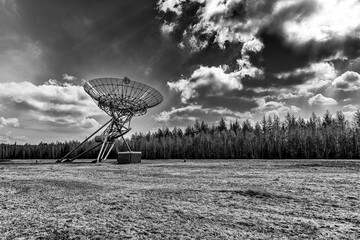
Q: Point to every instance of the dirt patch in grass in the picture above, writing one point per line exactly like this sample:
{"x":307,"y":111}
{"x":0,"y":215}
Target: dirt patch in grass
{"x":197,"y":199}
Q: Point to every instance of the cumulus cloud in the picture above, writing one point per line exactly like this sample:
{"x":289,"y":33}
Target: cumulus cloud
{"x":9,"y":137}
{"x":170,"y":5}
{"x":287,"y":94}
{"x":11,"y":122}
{"x":216,"y":81}
{"x":320,"y":100}
{"x":254,"y":45}
{"x":188,"y":114}
{"x":84,"y":122}
{"x":295,"y":23}
{"x":349,"y":111}
{"x":68,"y":77}
{"x":350,"y":107}
{"x":165,"y":116}
{"x":290,"y":52}
{"x":348,"y":81}
{"x":206,"y":81}
{"x":89,"y":123}
{"x":331,"y":19}
{"x":239,"y":21}
{"x":298,"y":84}
{"x":312,"y":77}
{"x":327,"y":30}
{"x":167,"y":28}
{"x":310,"y":80}
{"x":62,"y":105}
{"x":323,"y":74}
{"x":224,"y":21}
{"x":275,"y":108}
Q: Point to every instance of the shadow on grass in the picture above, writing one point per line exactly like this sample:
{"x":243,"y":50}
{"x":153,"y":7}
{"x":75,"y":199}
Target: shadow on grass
{"x":26,"y":186}
{"x":256,"y":194}
{"x":331,"y":164}
{"x":33,"y":162}
{"x":71,"y":184}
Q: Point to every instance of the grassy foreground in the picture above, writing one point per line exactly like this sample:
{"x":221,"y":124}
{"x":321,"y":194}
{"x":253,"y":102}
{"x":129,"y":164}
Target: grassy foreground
{"x":197,"y":199}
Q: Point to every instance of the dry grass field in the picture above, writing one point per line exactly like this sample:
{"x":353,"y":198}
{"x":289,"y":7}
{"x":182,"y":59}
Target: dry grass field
{"x":197,"y":199}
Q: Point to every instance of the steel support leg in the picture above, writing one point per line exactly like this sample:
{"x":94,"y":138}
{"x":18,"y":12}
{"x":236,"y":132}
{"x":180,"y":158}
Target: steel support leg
{"x":127,"y":145}
{"x":107,"y":154}
{"x":61,"y":159}
{"x":101,"y":150}
{"x":77,"y":156}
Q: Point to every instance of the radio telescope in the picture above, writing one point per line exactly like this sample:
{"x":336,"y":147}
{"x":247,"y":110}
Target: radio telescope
{"x":121,"y":99}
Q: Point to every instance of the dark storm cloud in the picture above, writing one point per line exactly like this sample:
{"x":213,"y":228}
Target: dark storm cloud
{"x":288,"y":81}
{"x":284,"y":54}
{"x":213,"y":55}
{"x":279,"y":56}
{"x":351,"y":47}
{"x":271,"y":80}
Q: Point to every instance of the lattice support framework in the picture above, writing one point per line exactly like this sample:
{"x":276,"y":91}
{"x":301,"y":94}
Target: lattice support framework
{"x":121,"y":99}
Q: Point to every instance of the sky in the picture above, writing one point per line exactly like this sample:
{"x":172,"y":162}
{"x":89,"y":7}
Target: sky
{"x":211,"y":59}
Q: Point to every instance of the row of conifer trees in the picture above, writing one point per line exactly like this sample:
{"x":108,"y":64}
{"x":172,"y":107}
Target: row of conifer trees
{"x":272,"y":138}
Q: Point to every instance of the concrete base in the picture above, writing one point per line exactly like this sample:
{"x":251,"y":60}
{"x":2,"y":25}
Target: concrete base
{"x":129,"y":157}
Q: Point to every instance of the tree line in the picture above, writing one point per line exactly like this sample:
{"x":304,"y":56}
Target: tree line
{"x":329,"y":136}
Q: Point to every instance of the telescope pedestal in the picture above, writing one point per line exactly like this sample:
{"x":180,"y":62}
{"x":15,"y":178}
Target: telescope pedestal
{"x":129,"y":157}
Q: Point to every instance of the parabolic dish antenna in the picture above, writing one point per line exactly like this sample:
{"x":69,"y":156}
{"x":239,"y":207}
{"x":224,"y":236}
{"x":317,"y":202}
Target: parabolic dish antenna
{"x":121,"y":99}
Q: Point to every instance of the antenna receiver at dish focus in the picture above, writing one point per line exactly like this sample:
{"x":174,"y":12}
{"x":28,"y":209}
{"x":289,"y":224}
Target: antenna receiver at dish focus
{"x":121,"y":99}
